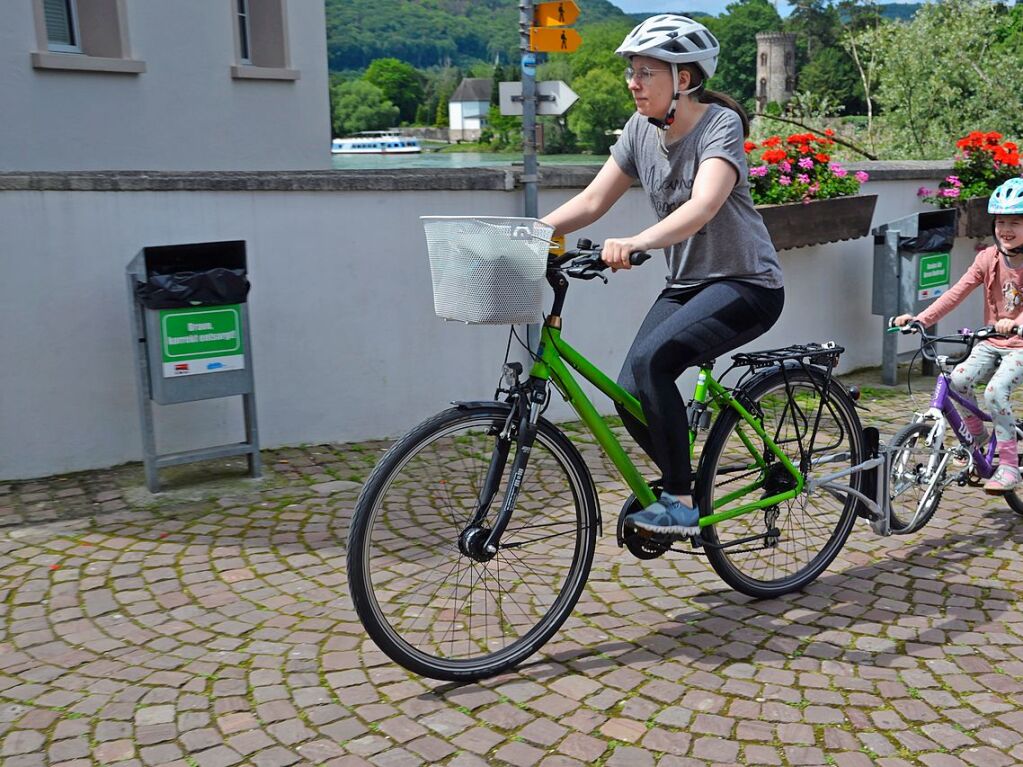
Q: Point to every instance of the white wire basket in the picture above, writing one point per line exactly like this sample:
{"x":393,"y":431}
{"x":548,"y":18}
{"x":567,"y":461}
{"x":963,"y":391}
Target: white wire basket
{"x":488,"y":269}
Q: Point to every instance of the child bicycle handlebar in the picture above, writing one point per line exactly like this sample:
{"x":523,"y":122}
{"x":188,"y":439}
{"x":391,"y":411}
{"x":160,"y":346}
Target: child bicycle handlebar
{"x":964,"y":337}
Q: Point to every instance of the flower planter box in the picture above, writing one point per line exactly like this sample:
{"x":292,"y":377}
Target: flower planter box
{"x":972,"y":218}
{"x":798,"y":224}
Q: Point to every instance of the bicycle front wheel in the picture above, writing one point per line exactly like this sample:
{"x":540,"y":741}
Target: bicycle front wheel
{"x":431,"y":606}
{"x":917,"y":476}
{"x":772,"y":551}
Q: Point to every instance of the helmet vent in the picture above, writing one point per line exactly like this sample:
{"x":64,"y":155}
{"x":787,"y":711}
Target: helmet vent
{"x":697,"y":40}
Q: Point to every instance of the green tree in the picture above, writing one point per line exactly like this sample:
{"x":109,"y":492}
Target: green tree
{"x":603,"y":107}
{"x":944,"y":75}
{"x":832,"y":73}
{"x":736,"y":31}
{"x":359,"y":106}
{"x":400,"y":83}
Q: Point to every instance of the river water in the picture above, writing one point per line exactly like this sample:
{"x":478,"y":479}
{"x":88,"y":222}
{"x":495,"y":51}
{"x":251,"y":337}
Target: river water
{"x":454,"y":160}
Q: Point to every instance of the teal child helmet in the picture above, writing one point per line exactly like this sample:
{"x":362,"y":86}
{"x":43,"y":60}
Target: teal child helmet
{"x":1007,"y":199}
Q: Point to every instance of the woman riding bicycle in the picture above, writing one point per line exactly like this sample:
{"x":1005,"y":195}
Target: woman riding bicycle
{"x":724,"y":283}
{"x":999,"y":269}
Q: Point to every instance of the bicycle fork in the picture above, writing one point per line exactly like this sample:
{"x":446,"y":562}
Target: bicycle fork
{"x":476,"y":540}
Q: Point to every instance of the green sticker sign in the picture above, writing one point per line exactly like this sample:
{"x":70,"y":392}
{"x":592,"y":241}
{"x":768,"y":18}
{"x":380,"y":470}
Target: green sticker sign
{"x":201,"y":340}
{"x":933,"y":275}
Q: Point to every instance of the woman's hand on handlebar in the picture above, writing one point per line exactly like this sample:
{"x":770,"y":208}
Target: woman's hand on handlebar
{"x":617,"y":250}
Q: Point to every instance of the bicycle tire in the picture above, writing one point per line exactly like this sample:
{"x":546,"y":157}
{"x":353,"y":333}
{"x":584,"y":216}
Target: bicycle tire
{"x":907,"y":473}
{"x":425,"y":488}
{"x":760,"y":572}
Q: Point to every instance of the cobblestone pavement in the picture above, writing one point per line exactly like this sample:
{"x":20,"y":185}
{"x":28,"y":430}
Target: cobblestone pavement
{"x":219,"y":631}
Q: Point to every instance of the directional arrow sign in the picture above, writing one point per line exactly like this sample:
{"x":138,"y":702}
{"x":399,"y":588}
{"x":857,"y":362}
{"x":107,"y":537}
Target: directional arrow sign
{"x":553,"y":39}
{"x":555,"y":14}
{"x":554,"y":97}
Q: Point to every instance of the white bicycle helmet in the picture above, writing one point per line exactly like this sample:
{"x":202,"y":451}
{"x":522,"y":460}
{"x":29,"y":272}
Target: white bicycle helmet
{"x":1007,"y":199}
{"x":675,"y":40}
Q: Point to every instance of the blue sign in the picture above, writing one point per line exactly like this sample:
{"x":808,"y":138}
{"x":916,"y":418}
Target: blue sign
{"x":529,"y":64}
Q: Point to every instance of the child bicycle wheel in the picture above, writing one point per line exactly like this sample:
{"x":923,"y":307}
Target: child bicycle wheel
{"x":917,"y":477}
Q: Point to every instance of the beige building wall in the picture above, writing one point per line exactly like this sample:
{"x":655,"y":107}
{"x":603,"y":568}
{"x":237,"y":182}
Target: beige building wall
{"x":163,"y":86}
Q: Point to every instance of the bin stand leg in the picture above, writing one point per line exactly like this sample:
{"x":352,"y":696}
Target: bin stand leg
{"x":889,"y":358}
{"x":149,"y":449}
{"x":252,"y":434}
{"x":930,"y":369}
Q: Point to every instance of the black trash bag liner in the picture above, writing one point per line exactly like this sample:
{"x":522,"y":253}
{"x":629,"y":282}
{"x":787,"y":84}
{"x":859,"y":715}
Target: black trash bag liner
{"x":938,"y":239}
{"x":210,"y":287}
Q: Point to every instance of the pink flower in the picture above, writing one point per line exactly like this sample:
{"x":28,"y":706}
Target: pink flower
{"x":838,"y":170}
{"x":784,"y":180}
{"x":802,"y":178}
{"x":950,"y":192}
{"x":785,"y":165}
{"x":805,"y":163}
{"x":758,"y":172}
{"x":813,"y":188}
{"x":954,"y":180}
{"x":924,"y":192}
{"x":861,"y":176}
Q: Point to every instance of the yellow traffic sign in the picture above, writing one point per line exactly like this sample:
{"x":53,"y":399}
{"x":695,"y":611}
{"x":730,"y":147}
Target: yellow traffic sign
{"x":553,"y":40}
{"x":555,"y":14}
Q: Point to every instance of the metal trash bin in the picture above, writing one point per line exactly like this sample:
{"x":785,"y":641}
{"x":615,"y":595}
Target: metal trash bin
{"x":191,"y":340}
{"x":912,"y":267}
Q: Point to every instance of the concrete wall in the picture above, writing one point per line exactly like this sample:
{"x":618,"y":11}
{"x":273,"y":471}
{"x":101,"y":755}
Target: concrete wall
{"x":346,"y":345}
{"x":185,"y":111}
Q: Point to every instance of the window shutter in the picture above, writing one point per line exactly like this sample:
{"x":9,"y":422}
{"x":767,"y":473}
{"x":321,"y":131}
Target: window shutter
{"x":59,"y":29}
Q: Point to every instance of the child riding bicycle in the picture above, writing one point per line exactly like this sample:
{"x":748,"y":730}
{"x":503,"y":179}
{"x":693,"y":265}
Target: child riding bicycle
{"x":999,"y":269}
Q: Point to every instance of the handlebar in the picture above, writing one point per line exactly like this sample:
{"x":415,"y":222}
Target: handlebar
{"x":586,"y":262}
{"x":963,"y":337}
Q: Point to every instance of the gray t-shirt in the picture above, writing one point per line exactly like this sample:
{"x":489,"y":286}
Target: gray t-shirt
{"x":735,"y":243}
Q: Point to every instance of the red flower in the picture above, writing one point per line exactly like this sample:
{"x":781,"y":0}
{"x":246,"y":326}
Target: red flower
{"x":774,"y":155}
{"x":771,"y":141}
{"x":828,"y":132}
{"x":749,"y":146}
{"x":821,"y":157}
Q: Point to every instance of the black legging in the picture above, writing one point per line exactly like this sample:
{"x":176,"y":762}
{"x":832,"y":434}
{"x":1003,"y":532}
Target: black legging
{"x":686,"y":326}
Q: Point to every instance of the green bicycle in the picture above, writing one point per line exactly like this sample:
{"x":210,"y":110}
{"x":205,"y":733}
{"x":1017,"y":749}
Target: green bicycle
{"x":473,"y":537}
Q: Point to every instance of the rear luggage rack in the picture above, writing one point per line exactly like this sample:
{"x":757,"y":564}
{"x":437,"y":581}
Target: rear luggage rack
{"x":826,"y":354}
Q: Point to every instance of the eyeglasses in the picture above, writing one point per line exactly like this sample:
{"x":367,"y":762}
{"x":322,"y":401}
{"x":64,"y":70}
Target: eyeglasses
{"x":643,"y":74}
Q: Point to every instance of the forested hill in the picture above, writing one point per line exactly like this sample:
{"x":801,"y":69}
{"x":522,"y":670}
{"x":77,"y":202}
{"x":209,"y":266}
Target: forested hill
{"x":430,"y":32}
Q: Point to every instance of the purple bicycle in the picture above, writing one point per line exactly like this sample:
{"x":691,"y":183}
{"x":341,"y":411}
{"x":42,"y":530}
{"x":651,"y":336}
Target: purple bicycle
{"x":937,"y":449}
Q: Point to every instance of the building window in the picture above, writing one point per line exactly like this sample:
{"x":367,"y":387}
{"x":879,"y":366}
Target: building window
{"x":261,"y":40}
{"x":763,"y":87}
{"x":95,"y":32}
{"x":763,"y":59}
{"x":244,"y":32}
{"x":61,"y":26}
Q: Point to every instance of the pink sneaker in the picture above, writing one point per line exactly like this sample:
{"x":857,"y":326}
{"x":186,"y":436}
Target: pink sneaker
{"x":1005,"y":479}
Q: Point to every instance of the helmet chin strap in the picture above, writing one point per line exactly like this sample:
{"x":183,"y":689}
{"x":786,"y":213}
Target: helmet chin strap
{"x":1011,"y":252}
{"x":669,"y":118}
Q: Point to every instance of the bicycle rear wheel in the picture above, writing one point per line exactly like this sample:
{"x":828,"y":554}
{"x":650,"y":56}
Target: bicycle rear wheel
{"x":737,"y":468}
{"x":430,"y":606}
{"x":917,"y":477}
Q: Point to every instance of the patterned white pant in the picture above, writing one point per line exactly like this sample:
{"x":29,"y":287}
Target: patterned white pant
{"x":1005,"y":369}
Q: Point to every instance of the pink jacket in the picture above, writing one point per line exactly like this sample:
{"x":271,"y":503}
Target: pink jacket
{"x":1003,"y":294}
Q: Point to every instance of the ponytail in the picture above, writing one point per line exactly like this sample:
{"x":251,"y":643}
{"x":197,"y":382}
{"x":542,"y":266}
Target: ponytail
{"x":705,"y":96}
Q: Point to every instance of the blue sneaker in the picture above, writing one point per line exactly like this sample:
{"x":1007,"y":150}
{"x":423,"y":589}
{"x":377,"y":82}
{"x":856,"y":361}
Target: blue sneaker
{"x":668,"y":516}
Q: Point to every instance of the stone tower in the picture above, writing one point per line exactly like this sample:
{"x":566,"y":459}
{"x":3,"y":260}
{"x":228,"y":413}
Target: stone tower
{"x":776,"y":68}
